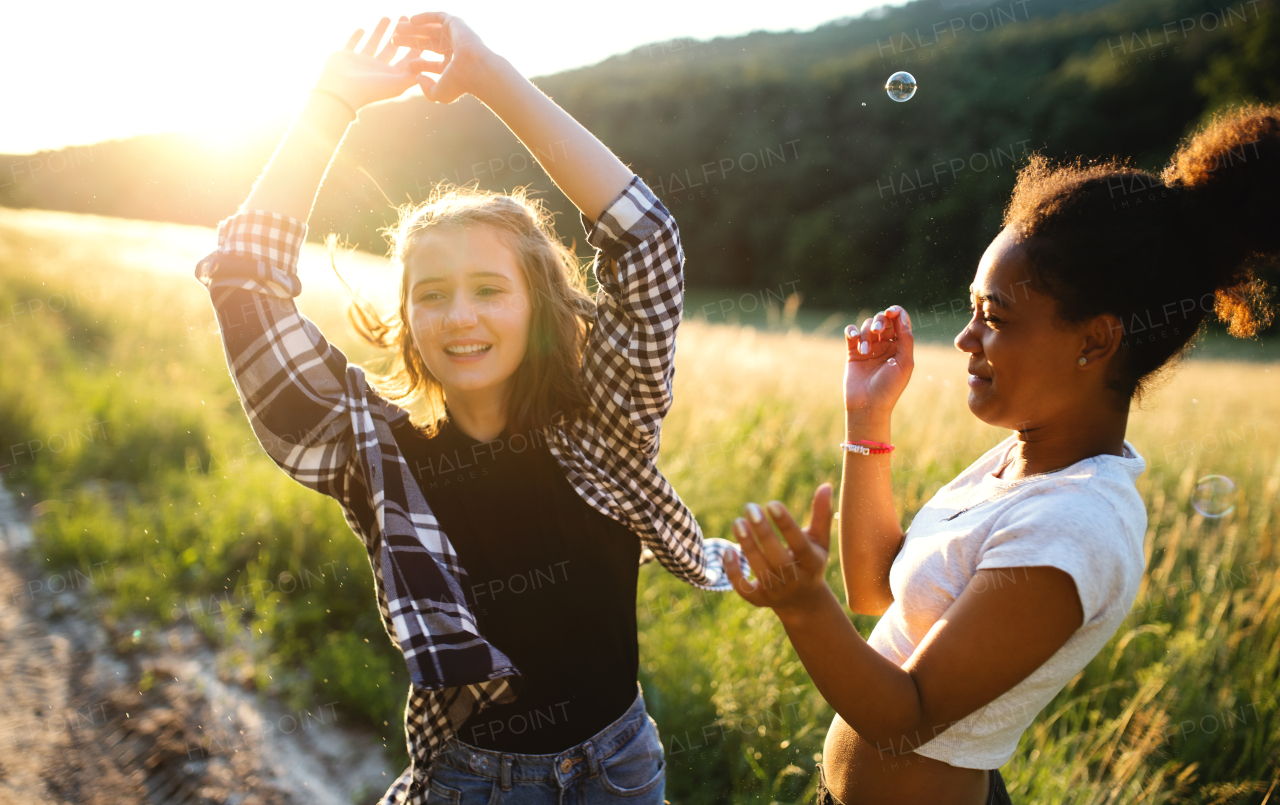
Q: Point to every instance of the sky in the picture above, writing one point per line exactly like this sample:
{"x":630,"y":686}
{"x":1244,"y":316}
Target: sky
{"x":89,"y":72}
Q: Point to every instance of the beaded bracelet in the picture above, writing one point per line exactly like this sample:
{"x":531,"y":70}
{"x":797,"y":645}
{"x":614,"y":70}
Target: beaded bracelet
{"x":866,"y":447}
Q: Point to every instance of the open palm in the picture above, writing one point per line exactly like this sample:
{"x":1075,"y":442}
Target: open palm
{"x":369,"y":75}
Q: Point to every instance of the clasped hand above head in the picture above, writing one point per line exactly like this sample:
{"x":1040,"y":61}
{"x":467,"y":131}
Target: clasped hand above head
{"x":360,"y":76}
{"x":368,"y":75}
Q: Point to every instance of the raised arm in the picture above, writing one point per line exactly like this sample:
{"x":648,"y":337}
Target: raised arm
{"x":628,"y":366}
{"x":296,"y":388}
{"x":870,"y":534}
{"x":994,"y":636}
{"x":580,"y":165}
{"x":349,"y":80}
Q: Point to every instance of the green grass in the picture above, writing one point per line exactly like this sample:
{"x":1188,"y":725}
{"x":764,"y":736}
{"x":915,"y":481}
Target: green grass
{"x":118,"y":416}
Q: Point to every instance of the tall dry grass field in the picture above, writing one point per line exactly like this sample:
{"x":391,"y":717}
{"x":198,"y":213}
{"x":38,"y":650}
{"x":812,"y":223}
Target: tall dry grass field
{"x":118,"y":417}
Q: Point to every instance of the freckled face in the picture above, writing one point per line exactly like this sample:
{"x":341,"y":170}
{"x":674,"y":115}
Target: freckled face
{"x":468,"y":308}
{"x":1022,"y":364}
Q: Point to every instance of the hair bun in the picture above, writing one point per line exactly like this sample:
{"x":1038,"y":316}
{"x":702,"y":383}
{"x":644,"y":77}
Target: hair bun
{"x":1230,"y":170}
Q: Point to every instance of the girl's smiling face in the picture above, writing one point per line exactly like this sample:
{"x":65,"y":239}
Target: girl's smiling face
{"x":468,"y":308}
{"x":1024,"y":367}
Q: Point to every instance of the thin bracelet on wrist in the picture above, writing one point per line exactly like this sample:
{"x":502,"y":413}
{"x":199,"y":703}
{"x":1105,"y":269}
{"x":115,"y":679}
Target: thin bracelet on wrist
{"x":866,"y":447}
{"x":337,"y":98}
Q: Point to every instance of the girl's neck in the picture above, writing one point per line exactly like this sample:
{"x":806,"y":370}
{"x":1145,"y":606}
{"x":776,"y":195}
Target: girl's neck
{"x":1053,"y":447}
{"x":480,"y":415}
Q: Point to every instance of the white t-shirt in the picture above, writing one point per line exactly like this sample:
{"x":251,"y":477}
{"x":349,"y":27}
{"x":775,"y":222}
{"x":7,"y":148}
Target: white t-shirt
{"x":1087,"y":519}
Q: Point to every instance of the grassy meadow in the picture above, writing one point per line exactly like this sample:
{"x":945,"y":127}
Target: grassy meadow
{"x":118,"y":418}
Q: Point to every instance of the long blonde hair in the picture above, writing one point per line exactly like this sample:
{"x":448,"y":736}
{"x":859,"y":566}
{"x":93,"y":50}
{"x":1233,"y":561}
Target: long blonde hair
{"x":547,"y":382}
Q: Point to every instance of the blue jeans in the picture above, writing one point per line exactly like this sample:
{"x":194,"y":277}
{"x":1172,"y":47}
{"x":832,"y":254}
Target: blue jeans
{"x":621,"y":763}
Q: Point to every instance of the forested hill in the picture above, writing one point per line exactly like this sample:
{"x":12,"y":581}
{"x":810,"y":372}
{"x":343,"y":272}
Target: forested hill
{"x":781,"y":155}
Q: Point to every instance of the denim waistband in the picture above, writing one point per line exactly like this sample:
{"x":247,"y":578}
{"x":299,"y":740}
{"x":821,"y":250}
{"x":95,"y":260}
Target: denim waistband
{"x":561,"y":767}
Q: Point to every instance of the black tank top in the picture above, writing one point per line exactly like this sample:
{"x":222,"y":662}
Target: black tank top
{"x":551,"y":581}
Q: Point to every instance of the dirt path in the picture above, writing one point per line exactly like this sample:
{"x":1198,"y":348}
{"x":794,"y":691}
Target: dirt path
{"x":84,"y":718}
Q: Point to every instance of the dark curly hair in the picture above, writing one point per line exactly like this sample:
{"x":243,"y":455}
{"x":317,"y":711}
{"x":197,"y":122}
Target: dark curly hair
{"x":1159,"y":252}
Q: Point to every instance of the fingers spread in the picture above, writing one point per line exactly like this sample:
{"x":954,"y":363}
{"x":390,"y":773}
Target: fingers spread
{"x":388,"y":52}
{"x":798,"y":541}
{"x":747,"y":543}
{"x":371,"y":46}
{"x":733,"y":569}
{"x":820,"y":523}
{"x":775,"y":553}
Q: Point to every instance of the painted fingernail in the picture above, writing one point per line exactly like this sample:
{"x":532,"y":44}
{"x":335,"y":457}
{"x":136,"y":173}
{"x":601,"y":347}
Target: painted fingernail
{"x":877,"y":325}
{"x":739,"y":528}
{"x":851,"y":331}
{"x":754,"y":512}
{"x":862,"y":347}
{"x":775,"y":508}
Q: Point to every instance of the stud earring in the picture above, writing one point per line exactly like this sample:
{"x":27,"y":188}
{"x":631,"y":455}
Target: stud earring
{"x":1083,"y":360}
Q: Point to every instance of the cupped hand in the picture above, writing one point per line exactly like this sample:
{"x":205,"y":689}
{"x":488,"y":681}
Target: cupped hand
{"x":881,"y":357}
{"x":790,"y":574}
{"x":368,"y":75}
{"x":464,"y":55}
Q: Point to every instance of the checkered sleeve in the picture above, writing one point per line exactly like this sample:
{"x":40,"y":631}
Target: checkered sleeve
{"x":294,"y":385}
{"x":629,"y":362}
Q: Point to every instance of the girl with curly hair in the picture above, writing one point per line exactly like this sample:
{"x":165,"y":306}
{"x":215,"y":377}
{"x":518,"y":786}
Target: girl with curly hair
{"x":1017,"y":572}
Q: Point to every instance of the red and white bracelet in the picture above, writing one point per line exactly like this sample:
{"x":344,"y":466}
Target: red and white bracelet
{"x":866,"y":447}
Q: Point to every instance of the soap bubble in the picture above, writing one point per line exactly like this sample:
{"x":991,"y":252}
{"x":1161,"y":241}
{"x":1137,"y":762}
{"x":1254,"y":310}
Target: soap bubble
{"x":901,"y":86}
{"x":1214,"y":496}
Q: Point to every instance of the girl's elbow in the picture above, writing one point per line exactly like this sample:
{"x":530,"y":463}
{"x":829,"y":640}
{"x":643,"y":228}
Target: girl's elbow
{"x":863,"y":606}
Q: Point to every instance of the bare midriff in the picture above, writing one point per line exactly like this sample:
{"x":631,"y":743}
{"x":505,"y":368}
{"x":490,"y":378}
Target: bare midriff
{"x":858,"y":772}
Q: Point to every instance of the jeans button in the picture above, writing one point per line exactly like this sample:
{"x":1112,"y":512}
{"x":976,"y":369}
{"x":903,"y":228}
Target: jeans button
{"x":565,"y":765}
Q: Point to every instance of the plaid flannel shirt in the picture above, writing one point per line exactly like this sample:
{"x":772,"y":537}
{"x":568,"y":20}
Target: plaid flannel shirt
{"x":323,"y":424}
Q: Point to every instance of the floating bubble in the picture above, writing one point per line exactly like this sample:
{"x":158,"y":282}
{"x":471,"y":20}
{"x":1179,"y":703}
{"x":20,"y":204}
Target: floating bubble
{"x":901,"y":86}
{"x":1214,"y":496}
